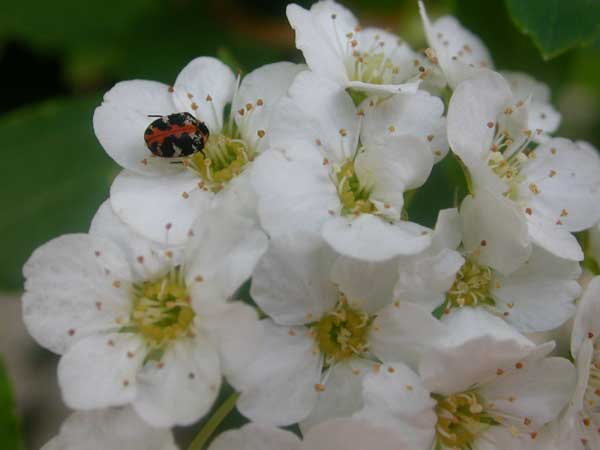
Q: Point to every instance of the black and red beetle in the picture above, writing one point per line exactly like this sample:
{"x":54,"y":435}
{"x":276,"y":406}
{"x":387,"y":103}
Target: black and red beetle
{"x":176,"y":135}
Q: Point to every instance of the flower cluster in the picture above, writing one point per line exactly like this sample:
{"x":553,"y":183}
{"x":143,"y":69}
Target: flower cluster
{"x":368,"y":330}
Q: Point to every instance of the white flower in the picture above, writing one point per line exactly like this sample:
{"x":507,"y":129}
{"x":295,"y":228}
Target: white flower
{"x":366,"y":61}
{"x":594,"y":242}
{"x":336,"y":434}
{"x":110,"y":429}
{"x":137,"y":324}
{"x":553,"y":188}
{"x":457,"y":51}
{"x":161,"y":199}
{"x":482,"y":387}
{"x":459,"y":54}
{"x":585,"y":348}
{"x":541,"y":114}
{"x":537,"y":297}
{"x":335,"y":172}
{"x":331,"y":320}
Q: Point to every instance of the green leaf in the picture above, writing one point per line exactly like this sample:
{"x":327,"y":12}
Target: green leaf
{"x":56,"y":176}
{"x":10,"y":431}
{"x":557,"y":25}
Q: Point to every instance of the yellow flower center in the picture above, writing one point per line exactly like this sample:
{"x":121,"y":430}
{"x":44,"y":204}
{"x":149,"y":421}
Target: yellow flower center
{"x":353,"y":196}
{"x":471,"y":287}
{"x":342,"y":332}
{"x":222,"y":159}
{"x":460,"y":419}
{"x":162,"y":309}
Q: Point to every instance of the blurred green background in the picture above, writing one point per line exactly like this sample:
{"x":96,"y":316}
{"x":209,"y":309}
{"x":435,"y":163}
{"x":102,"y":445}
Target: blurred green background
{"x":58,"y":58}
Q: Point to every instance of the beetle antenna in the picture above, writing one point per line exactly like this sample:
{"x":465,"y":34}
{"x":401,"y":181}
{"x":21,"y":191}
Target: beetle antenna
{"x":154,"y":115}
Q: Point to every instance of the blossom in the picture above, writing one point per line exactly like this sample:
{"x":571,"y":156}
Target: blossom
{"x":338,"y":434}
{"x":331,"y":320}
{"x":366,"y":61}
{"x":585,"y":349}
{"x":137,"y":324}
{"x":455,"y":50}
{"x":536,"y":297}
{"x":459,"y":54}
{"x":114,"y":428}
{"x":483,"y":386}
{"x":160,"y":198}
{"x":552,"y":188}
{"x":541,"y":114}
{"x":332,"y":169}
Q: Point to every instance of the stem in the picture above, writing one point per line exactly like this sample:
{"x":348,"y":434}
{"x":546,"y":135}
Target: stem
{"x":211,"y":425}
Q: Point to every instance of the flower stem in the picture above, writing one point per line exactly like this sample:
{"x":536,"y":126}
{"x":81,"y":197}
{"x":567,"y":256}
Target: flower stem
{"x":211,"y":425}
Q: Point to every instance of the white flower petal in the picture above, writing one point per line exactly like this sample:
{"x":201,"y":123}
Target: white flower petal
{"x":238,"y":196}
{"x":159,"y":208}
{"x":279,"y":386}
{"x":292,"y":195}
{"x":559,"y":435}
{"x":342,"y":396}
{"x":478,"y":345}
{"x":404,"y":333}
{"x":538,"y":391}
{"x":539,"y":296}
{"x":419,"y":114}
{"x":316,"y":109}
{"x":542,"y":115}
{"x":476,"y":103}
{"x":353,"y":434}
{"x":255,"y":436}
{"x":553,"y":238}
{"x":587,"y":318}
{"x":120,"y":122}
{"x":459,"y":52}
{"x":211,"y":85}
{"x":68,"y":293}
{"x":383,"y":90}
{"x":268,"y":84}
{"x":371,"y":238}
{"x":394,"y":396}
{"x":501,"y":437}
{"x":100,"y":371}
{"x":221,"y":255}
{"x":114,"y":428}
{"x":291,"y":283}
{"x":319,"y":35}
{"x":350,"y":274}
{"x":147,"y":259}
{"x":393,"y":165}
{"x":567,"y":178}
{"x":583,"y":359}
{"x":424,"y":279}
{"x":235,"y":331}
{"x":448,"y":230}
{"x":182,"y":387}
{"x":494,"y":229}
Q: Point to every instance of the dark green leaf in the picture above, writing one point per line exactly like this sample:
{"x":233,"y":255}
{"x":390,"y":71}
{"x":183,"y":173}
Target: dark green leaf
{"x":56,"y":175}
{"x":10,"y":432}
{"x":557,"y":25}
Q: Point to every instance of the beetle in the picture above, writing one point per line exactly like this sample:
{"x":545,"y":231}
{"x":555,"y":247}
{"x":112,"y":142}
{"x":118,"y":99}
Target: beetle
{"x":176,"y":135}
